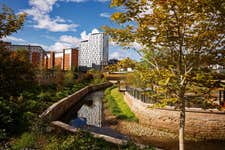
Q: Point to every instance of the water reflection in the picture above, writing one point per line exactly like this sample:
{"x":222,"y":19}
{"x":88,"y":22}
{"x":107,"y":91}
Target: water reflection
{"x":88,"y":112}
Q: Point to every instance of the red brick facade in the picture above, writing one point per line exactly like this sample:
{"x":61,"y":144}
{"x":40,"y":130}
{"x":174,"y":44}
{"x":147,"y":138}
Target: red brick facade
{"x":58,"y":62}
{"x":36,"y":54}
{"x":35,"y":58}
{"x":75,"y":57}
{"x":65,"y":60}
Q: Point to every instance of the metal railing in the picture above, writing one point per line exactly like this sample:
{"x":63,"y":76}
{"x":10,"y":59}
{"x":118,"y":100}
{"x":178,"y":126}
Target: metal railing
{"x":140,"y":94}
{"x":191,"y":100}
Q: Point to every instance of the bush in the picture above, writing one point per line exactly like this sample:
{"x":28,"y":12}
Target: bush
{"x":53,"y":144}
{"x":59,"y":79}
{"x":16,"y":72}
{"x":86,"y":141}
{"x":84,"y":78}
{"x":27,"y":140}
{"x":44,"y":96}
{"x":98,"y":77}
{"x":68,"y":78}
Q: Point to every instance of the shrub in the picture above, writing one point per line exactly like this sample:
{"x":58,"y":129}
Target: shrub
{"x":44,"y":96}
{"x":16,"y":72}
{"x":68,"y":78}
{"x":27,"y":140}
{"x":84,"y":78}
{"x":59,"y":79}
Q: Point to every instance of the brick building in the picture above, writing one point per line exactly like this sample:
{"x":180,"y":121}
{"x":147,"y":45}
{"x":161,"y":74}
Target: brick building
{"x":36,"y":53}
{"x":65,"y":60}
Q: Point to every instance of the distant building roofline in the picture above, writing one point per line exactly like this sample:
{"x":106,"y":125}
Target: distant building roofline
{"x":84,"y":41}
{"x":17,"y":45}
{"x":26,"y":45}
{"x":97,"y":33}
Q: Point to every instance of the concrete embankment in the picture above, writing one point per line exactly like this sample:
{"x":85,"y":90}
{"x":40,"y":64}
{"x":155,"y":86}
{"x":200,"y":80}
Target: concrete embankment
{"x":56,"y":110}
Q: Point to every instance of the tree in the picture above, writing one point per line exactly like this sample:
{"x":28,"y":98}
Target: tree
{"x":111,"y":68}
{"x":126,"y":63}
{"x":9,"y":22}
{"x":181,"y":40}
{"x":15,"y":70}
{"x":16,"y":75}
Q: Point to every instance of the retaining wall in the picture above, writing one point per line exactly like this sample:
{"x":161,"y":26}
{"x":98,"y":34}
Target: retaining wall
{"x":200,"y":124}
{"x":55,"y":111}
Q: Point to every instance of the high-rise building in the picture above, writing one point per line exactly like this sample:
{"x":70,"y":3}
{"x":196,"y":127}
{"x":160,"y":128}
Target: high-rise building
{"x":94,"y":52}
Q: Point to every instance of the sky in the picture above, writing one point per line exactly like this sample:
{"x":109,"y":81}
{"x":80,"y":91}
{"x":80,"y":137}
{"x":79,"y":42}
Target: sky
{"x":58,"y":24}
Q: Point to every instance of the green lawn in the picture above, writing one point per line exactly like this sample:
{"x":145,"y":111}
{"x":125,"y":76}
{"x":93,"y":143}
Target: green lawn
{"x":117,"y":105}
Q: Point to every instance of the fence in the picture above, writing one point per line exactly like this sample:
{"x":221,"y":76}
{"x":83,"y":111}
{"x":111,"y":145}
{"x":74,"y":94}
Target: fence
{"x":140,"y":94}
{"x":191,"y":100}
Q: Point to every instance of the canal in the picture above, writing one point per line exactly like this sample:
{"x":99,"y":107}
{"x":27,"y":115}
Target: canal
{"x":88,"y":115}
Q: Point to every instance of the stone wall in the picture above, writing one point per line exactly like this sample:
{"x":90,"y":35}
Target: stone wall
{"x":200,"y":124}
{"x":59,"y":108}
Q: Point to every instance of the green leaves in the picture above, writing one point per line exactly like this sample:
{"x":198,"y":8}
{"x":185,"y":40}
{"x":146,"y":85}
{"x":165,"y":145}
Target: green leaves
{"x":9,"y":22}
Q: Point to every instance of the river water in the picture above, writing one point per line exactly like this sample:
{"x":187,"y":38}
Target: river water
{"x":88,"y":113}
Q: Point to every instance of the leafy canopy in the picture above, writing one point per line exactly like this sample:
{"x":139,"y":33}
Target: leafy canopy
{"x":9,"y":22}
{"x":181,"y":41}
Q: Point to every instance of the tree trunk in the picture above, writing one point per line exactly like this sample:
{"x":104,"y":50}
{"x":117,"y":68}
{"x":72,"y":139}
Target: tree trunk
{"x":182,"y":121}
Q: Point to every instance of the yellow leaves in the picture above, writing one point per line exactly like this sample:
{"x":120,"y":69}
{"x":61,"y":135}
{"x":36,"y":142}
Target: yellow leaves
{"x":10,"y":22}
{"x":118,"y":17}
{"x":117,"y":3}
{"x":165,"y":102}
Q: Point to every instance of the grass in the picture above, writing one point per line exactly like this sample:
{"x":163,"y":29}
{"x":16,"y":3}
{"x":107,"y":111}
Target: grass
{"x":65,"y":141}
{"x":117,"y":105}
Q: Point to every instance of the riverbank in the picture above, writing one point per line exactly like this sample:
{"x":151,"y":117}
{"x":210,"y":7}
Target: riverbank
{"x":149,"y":135}
{"x":137,"y":133}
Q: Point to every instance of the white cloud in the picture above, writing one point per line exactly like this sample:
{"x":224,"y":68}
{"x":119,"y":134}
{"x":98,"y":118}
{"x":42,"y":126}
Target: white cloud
{"x":95,"y":31}
{"x":40,"y":14}
{"x":43,"y":5}
{"x":59,"y":19}
{"x":76,"y":1}
{"x":105,"y":15}
{"x":59,"y":46}
{"x":65,"y":41}
{"x":69,"y":39}
{"x":80,"y":1}
{"x":40,"y":10}
{"x":16,"y":40}
{"x":13,"y":39}
{"x":54,"y":25}
{"x":84,"y":35}
{"x":116,"y":55}
{"x":102,"y":1}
